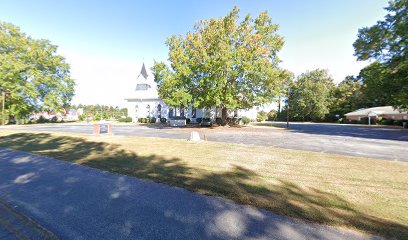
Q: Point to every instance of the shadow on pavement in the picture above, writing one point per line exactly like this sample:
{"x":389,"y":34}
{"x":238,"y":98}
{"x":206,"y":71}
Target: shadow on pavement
{"x":239,"y":185}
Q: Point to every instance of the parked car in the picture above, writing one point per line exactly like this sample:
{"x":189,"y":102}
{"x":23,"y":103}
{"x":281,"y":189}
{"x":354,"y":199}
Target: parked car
{"x":206,"y":122}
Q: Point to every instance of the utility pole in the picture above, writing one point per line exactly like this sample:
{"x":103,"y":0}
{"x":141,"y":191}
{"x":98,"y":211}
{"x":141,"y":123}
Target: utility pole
{"x":3,"y":103}
{"x":288,"y":109}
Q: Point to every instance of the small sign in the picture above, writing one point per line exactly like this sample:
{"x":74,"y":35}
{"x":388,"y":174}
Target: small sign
{"x":104,"y":128}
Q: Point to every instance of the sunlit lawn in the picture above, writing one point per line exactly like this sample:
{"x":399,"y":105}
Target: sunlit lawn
{"x":366,"y":194}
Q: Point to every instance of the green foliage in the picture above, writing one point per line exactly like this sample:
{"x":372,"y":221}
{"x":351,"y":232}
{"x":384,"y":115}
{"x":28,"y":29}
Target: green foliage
{"x":94,"y":111}
{"x":32,"y":74}
{"x":378,"y":85}
{"x":199,"y":120}
{"x":223,"y":62}
{"x":261,"y":116}
{"x":142,"y":120}
{"x":42,"y":119}
{"x":163,"y":120}
{"x":387,"y":121}
{"x":245,"y":120}
{"x":272,"y":115}
{"x":54,"y":119}
{"x":387,"y":42}
{"x":152,"y":120}
{"x":126,"y":119}
{"x":347,"y":97}
{"x":311,"y":96}
{"x":82,"y":117}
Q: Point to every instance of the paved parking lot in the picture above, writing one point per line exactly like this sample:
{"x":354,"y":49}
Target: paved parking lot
{"x":373,"y":142}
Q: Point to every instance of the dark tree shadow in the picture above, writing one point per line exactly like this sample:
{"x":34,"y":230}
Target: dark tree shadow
{"x":239,"y":184}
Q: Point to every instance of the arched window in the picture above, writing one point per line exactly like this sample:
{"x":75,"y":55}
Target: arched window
{"x":148,"y":110}
{"x":159,"y":108}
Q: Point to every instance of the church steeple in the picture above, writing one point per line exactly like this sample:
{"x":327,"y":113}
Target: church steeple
{"x":143,"y":72}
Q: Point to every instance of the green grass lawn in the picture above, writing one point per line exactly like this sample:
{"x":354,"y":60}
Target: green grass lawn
{"x":364,"y":194}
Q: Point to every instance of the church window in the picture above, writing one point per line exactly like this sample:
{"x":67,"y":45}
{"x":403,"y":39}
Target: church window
{"x":159,"y":108}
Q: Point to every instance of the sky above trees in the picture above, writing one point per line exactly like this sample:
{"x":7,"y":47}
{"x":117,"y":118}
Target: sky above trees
{"x":105,"y":42}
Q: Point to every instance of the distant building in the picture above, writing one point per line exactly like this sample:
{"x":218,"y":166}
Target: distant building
{"x":145,"y":102}
{"x":388,"y":112}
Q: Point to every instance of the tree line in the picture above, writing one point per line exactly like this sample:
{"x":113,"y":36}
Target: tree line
{"x":98,"y":112}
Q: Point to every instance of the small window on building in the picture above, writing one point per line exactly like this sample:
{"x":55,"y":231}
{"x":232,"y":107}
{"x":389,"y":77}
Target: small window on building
{"x":159,"y":108}
{"x":137,"y":111}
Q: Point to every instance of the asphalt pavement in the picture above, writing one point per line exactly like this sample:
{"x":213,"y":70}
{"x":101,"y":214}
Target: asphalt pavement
{"x":362,"y":141}
{"x":77,"y":202}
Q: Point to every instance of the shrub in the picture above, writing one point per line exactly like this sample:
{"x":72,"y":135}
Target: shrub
{"x":272,"y":115}
{"x":152,"y":120}
{"x":163,"y":120}
{"x":400,"y":122}
{"x":233,"y":121}
{"x":188,"y":120}
{"x":218,"y":120}
{"x":378,"y":120}
{"x":388,"y":121}
{"x":142,"y":120}
{"x":126,"y":119}
{"x":340,"y":120}
{"x":261,"y":116}
{"x":54,"y":119}
{"x":81,"y":117}
{"x":245,"y":120}
{"x":199,"y":120}
{"x":42,"y":119}
{"x":364,"y":120}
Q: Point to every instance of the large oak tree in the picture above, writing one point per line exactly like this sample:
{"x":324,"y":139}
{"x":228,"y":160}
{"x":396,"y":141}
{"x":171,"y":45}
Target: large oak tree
{"x":33,"y":75}
{"x":387,"y":43}
{"x":223,"y":62}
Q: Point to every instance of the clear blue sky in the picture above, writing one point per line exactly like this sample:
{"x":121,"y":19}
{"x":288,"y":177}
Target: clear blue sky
{"x":106,"y":41}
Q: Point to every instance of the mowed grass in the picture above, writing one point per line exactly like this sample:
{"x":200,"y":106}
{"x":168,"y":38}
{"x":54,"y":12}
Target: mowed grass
{"x":364,"y":194}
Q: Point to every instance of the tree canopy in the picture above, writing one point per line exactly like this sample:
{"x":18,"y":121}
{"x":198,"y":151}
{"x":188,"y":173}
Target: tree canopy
{"x":348,"y":96}
{"x":311,"y":96}
{"x":387,"y":42}
{"x":32,"y":74}
{"x":223,"y":62}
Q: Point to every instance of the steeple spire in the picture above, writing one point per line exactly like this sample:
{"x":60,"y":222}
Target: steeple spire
{"x":143,"y":72}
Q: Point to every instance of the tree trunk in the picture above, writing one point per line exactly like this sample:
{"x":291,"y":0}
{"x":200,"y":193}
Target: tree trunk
{"x":224,"y":116}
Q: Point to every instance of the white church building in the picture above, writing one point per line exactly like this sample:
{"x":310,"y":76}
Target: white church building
{"x":145,"y":102}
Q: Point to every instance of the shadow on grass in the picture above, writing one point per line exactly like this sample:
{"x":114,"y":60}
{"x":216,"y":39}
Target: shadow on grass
{"x":240,"y":185}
